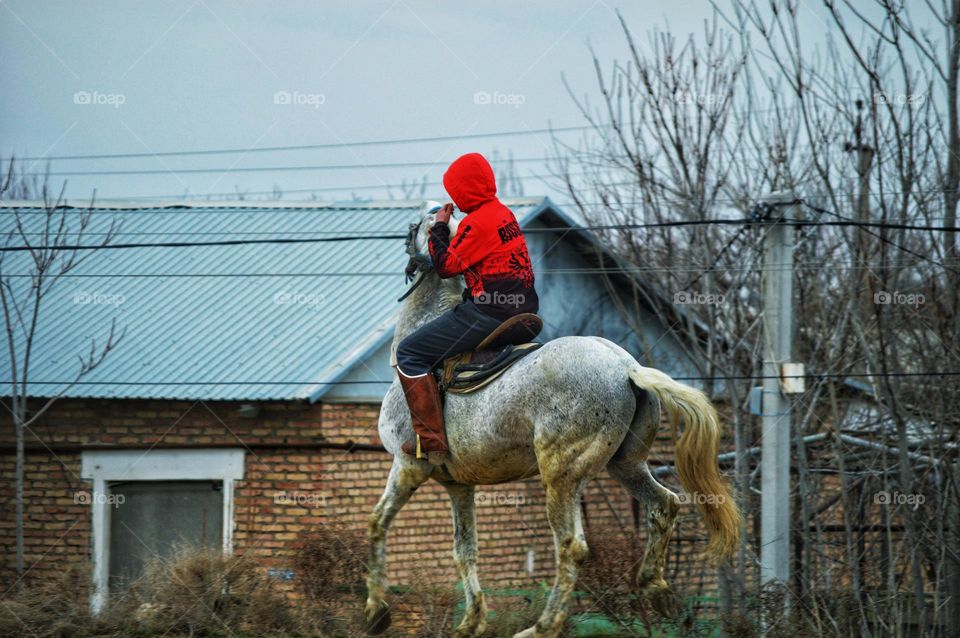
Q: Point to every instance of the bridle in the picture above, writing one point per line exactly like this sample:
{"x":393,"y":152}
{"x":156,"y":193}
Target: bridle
{"x":417,"y":263}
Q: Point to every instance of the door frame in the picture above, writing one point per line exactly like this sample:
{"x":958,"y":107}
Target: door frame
{"x":106,"y":466}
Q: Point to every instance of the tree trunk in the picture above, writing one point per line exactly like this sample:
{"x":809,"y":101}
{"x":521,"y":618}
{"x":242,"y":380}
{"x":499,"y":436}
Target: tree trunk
{"x":18,"y":425}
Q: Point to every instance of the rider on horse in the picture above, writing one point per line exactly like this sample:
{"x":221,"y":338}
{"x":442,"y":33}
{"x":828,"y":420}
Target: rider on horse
{"x":490,"y":252}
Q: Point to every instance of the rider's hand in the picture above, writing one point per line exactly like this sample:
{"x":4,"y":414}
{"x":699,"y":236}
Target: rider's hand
{"x":443,"y":215}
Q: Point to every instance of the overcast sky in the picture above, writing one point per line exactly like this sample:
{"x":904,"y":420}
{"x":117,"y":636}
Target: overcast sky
{"x":116,"y":77}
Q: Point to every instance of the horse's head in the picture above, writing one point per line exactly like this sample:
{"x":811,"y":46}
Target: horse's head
{"x":418,"y":236}
{"x":433,"y":294}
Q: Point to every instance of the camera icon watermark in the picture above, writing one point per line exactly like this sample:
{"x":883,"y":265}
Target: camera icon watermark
{"x":896,"y":298}
{"x":700,"y":99}
{"x":511,"y":499}
{"x":96,"y":98}
{"x":688,"y":298}
{"x":500,"y":299}
{"x":309,"y":299}
{"x":698,"y":498}
{"x":296,"y":98}
{"x":879,"y":97}
{"x":496,"y":98}
{"x":87,"y":298}
{"x":914,"y":501}
{"x":300,"y":499}
{"x":83,"y":497}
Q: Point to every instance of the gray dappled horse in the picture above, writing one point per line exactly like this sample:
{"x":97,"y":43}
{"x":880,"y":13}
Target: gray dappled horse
{"x":565,"y":412}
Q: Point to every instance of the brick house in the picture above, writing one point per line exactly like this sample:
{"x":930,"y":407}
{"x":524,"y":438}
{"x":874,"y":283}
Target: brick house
{"x":240,"y":407}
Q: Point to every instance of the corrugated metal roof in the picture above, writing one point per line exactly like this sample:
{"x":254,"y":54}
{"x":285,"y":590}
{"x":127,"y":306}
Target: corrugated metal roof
{"x":295,"y":316}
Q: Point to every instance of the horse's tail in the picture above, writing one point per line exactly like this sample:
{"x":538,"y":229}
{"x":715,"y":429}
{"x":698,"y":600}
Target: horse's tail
{"x":696,"y":456}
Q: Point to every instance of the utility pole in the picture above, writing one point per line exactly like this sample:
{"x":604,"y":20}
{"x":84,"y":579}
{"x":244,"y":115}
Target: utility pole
{"x":861,"y":247}
{"x":777,"y":295}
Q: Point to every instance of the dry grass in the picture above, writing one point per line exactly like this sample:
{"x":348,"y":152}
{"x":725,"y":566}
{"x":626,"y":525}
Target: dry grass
{"x":198,"y":592}
{"x":48,"y":608}
{"x":609,"y":573}
{"x":194,"y":592}
{"x":512,"y":614}
{"x":330,"y":572}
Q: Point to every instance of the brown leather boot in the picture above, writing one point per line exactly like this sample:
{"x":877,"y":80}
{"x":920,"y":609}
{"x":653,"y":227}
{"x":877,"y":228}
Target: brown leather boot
{"x":423,"y":398}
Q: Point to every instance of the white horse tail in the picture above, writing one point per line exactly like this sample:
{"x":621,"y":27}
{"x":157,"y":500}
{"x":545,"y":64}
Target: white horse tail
{"x":696,"y":456}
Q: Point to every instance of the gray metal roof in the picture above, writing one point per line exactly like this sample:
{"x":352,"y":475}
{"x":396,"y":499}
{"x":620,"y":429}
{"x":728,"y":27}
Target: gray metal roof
{"x":242,"y":322}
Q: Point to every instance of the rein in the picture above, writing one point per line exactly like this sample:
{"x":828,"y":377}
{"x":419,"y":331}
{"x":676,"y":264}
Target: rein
{"x":417,"y":263}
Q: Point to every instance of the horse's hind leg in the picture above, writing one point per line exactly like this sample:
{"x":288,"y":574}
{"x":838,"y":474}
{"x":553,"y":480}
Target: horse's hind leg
{"x":662,"y":507}
{"x":566,"y":465}
{"x":629,"y":467}
{"x":404,"y":479}
{"x":465,"y":556}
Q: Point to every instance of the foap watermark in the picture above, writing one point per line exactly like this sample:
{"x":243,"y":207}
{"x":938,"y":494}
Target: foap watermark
{"x":897,"y":298}
{"x":300,"y":499}
{"x":297,"y":98}
{"x":913,"y":501}
{"x":88,"y":298}
{"x":496,"y":98}
{"x":96,"y":98}
{"x":701,"y":99}
{"x":697,"y":498}
{"x":83,"y":497}
{"x":688,"y":298}
{"x":512,"y":499}
{"x":879,"y":97}
{"x":310,"y":299}
{"x":501,"y":299}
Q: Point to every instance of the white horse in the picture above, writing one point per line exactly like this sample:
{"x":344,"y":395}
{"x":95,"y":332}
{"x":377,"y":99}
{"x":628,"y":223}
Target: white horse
{"x":565,"y":412}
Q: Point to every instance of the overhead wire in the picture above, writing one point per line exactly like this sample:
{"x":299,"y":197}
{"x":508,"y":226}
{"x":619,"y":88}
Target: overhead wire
{"x":812,"y":375}
{"x":308,"y":147}
{"x":398,"y":236}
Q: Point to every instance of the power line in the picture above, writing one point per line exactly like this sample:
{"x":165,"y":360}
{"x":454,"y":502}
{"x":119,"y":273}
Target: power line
{"x":307,"y":147}
{"x":333,"y":145}
{"x":719,"y":256}
{"x":828,"y":375}
{"x":538,"y":272}
{"x":563,"y":230}
{"x":414,"y":183}
{"x":263,"y":169}
{"x":823,"y":211}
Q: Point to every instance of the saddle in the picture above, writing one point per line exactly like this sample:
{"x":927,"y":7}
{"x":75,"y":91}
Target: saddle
{"x":507,"y":344}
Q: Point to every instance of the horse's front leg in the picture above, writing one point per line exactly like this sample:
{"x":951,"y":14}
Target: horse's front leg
{"x":465,"y":555}
{"x":563,"y":512}
{"x":405,"y":477}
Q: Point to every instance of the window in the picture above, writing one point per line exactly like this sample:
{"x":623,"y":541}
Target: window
{"x":144,"y":501}
{"x":156,"y":516}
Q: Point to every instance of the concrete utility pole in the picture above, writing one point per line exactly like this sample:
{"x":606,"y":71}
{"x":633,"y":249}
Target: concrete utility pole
{"x":861,"y":248}
{"x":777,"y":293}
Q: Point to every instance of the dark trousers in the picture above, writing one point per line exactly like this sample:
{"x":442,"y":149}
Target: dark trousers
{"x":454,"y":332}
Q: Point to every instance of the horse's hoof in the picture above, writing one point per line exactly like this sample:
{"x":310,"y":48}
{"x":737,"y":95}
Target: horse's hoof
{"x":379,"y":620}
{"x":526,"y":633}
{"x":663,"y":601}
{"x":469,"y":631}
{"x":470,"y":627}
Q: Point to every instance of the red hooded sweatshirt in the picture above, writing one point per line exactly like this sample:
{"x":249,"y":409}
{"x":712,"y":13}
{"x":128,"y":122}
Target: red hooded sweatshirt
{"x":489,"y":249}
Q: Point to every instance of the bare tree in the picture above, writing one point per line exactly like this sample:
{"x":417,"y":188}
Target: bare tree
{"x":39,"y":249}
{"x":862,"y":130}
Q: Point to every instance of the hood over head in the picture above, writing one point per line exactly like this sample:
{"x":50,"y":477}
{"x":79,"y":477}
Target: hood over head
{"x":470,"y":182}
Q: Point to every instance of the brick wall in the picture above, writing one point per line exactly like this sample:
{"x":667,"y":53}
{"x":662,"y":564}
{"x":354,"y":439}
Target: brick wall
{"x":285,"y":454}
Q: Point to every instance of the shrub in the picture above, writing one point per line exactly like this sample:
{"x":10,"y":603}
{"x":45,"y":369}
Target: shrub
{"x":55,"y":607}
{"x":201,"y":592}
{"x":330,"y":571}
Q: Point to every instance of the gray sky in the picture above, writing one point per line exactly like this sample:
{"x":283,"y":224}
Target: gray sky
{"x":115,"y":77}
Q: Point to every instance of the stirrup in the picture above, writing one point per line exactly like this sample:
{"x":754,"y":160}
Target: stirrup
{"x":433,"y":458}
